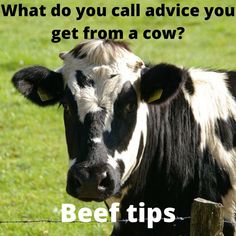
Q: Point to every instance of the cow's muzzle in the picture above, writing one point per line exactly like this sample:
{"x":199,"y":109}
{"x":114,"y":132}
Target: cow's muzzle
{"x":91,"y":182}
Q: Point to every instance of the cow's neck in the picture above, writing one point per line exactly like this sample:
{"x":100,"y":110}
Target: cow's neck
{"x":160,"y":173}
{"x":166,"y":167}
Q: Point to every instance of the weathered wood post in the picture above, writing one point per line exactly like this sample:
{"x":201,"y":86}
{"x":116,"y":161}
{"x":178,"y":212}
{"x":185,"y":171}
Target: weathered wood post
{"x":206,"y":218}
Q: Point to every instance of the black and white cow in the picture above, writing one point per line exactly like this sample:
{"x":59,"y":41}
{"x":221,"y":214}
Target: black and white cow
{"x":162,"y":135}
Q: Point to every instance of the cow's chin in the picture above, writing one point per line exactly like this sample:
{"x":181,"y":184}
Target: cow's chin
{"x":97,"y":198}
{"x":91,"y":197}
{"x":100,"y":199}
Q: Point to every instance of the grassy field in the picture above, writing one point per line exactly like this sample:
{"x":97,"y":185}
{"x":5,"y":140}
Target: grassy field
{"x":33,"y":156}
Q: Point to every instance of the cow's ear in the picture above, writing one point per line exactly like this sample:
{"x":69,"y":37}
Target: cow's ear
{"x":39,"y":84}
{"x":161,"y":83}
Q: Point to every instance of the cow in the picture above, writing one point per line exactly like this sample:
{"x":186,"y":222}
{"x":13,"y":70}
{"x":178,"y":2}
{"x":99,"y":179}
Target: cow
{"x":162,"y":134}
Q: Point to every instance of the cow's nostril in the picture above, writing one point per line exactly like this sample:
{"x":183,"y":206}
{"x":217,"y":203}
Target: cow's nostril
{"x":73,"y":185}
{"x":81,"y":177}
{"x":105,"y":182}
{"x":78,"y":180}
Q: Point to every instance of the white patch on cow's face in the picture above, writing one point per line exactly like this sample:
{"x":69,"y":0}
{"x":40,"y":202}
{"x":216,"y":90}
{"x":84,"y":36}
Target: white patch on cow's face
{"x":129,"y":156}
{"x":112,"y":162}
{"x":96,"y":140}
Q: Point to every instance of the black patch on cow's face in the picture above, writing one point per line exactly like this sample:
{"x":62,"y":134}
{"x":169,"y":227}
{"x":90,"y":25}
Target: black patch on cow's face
{"x":74,"y":129}
{"x":94,"y":124}
{"x":69,"y":103}
{"x":124,"y":121}
{"x":189,"y":85}
{"x":82,"y":80}
{"x":113,"y":75}
{"x":232,"y":82}
{"x":226,"y":131}
{"x":79,"y":135}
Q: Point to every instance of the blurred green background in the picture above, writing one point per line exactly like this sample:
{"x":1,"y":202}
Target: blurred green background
{"x":33,"y":156}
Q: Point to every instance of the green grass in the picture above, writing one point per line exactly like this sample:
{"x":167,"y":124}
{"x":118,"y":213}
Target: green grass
{"x":33,"y":156}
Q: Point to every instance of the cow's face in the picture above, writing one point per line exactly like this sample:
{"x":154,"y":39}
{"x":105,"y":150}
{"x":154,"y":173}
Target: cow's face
{"x":105,"y":112}
{"x":103,"y":117}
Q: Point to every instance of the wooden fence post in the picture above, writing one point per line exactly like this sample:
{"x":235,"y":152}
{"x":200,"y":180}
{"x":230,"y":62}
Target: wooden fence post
{"x":206,"y":218}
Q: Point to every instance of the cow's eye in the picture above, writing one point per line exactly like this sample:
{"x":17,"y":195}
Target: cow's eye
{"x":66,"y":107}
{"x":130,"y":107}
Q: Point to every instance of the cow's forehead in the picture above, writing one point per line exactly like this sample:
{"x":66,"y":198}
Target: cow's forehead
{"x":103,"y":67}
{"x":103,"y":59}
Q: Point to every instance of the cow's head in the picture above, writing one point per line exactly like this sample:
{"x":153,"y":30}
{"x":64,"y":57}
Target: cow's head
{"x":105,"y":111}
